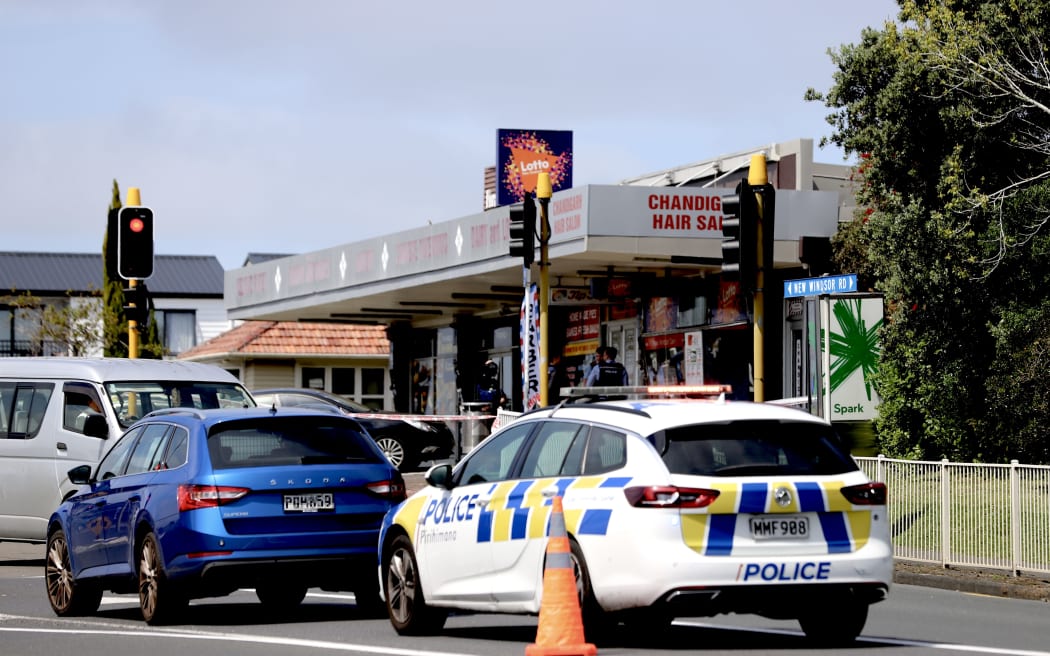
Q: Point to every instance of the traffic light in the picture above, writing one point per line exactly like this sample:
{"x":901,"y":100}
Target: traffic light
{"x":136,"y":303}
{"x":739,"y":238}
{"x":135,"y":243}
{"x":523,"y":231}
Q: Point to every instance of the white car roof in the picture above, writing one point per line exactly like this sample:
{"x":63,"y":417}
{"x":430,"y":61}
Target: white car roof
{"x":112,"y":369}
{"x":667,"y":413}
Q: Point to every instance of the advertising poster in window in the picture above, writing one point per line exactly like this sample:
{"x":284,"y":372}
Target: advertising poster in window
{"x":694,"y":358}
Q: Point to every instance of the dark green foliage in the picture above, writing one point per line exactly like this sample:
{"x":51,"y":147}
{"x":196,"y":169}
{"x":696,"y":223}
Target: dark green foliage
{"x":964,"y":266}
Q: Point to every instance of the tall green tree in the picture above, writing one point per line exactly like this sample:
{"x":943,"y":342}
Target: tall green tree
{"x":948,"y":162}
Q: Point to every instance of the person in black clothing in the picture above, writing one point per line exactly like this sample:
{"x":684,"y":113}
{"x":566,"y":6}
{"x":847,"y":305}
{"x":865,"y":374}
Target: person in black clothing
{"x":557,"y":378}
{"x":609,"y":372}
{"x":488,"y":389}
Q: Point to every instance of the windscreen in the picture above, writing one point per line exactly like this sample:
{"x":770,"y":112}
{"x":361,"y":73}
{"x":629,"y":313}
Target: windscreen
{"x":133,"y":400}
{"x":302,"y":440}
{"x":753,"y":448}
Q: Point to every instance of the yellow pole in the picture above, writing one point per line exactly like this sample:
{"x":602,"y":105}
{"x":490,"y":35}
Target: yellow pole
{"x":543,"y":195}
{"x":134,"y":200}
{"x":756,"y":175}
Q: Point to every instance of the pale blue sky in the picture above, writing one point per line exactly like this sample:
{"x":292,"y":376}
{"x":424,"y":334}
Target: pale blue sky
{"x":266,"y":126}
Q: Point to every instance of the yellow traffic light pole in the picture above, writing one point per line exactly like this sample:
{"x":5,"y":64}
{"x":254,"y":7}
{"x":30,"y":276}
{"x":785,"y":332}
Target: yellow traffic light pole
{"x":543,"y":195}
{"x":133,"y":325}
{"x":756,"y":175}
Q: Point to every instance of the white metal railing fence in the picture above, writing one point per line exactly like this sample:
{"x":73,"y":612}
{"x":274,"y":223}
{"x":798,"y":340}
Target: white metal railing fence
{"x":973,"y":515}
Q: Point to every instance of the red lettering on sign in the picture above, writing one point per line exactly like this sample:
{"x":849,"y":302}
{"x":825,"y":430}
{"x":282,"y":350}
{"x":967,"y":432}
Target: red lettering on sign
{"x":690,"y":203}
{"x":672,"y":221}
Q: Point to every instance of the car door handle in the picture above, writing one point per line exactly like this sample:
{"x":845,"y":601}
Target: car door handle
{"x":483,"y":501}
{"x":61,"y":446}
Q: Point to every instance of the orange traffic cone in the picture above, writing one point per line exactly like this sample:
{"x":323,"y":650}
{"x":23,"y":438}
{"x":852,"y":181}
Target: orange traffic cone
{"x":560,"y":631}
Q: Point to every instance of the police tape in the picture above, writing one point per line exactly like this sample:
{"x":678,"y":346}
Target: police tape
{"x":390,"y":415}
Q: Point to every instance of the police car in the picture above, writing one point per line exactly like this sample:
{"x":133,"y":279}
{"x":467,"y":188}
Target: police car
{"x":674,"y":508}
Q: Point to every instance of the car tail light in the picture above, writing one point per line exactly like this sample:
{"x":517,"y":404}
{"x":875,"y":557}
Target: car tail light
{"x":669,"y":496}
{"x":868,"y":494}
{"x":393,"y":489}
{"x":192,"y":497}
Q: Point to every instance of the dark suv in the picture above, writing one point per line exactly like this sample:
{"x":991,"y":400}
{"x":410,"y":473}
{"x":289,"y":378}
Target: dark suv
{"x":406,"y":442}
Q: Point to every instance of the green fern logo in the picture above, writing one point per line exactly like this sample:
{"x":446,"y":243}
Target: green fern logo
{"x":855,"y":347}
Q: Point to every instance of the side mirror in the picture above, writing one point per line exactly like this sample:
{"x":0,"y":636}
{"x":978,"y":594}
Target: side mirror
{"x":96,"y":426}
{"x":80,"y":475}
{"x":439,"y":476}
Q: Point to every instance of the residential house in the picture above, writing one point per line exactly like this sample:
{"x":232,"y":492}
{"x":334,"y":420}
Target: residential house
{"x":187,"y":293}
{"x":346,"y":359}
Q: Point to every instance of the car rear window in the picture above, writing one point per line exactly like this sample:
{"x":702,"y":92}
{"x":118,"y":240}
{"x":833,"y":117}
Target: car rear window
{"x":753,"y":448}
{"x":268,"y":442}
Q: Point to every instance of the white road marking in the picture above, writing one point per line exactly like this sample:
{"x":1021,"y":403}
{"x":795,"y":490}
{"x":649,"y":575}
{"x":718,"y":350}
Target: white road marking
{"x":116,"y":630}
{"x":976,"y":649}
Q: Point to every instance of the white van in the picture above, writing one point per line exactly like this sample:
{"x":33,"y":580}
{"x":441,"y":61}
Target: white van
{"x":57,"y":413}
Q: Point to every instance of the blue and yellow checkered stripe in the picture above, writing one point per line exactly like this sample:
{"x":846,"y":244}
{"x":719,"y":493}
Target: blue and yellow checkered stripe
{"x":518,"y":510}
{"x":710,"y":531}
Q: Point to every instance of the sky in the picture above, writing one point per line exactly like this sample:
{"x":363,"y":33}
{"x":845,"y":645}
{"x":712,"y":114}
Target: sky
{"x":266,"y":126}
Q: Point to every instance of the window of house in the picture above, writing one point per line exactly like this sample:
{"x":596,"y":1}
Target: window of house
{"x":343,"y":381}
{"x":178,"y":329}
{"x":373,"y":387}
{"x":366,"y":385}
{"x":312,"y":377}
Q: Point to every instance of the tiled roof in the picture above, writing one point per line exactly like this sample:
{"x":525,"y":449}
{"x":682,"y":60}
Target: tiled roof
{"x":294,"y":338}
{"x":58,"y":273}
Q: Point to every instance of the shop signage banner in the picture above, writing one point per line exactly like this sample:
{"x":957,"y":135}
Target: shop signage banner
{"x":582,"y":331}
{"x":530,"y":347}
{"x":521,"y":155}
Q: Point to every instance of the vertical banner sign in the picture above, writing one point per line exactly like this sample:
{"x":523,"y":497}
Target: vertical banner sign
{"x":521,"y":155}
{"x":851,"y":355}
{"x":530,"y":347}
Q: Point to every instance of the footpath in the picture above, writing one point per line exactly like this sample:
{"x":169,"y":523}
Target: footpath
{"x":978,"y":581}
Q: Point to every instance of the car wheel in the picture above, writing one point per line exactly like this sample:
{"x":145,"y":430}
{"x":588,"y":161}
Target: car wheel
{"x":408,"y":609}
{"x":395,"y":451}
{"x":159,"y":601}
{"x":67,"y":595}
{"x":835,"y":625}
{"x":597,"y":624}
{"x":282,"y":596}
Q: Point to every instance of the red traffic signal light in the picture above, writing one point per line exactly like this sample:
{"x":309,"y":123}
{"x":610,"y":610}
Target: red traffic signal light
{"x":135,"y":243}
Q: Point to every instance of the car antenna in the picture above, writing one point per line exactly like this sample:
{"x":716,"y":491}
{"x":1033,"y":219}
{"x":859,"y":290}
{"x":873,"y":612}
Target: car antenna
{"x":273,"y":408}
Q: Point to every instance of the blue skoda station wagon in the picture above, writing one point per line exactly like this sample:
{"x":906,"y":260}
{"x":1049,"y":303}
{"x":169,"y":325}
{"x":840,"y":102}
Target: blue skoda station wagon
{"x":199,"y":503}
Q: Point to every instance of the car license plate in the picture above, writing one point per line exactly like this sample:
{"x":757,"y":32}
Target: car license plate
{"x":309,"y":502}
{"x":779,"y":527}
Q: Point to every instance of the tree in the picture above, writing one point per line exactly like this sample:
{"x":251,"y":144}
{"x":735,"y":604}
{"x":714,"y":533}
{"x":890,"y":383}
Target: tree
{"x":69,"y":328}
{"x":927,"y":234}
